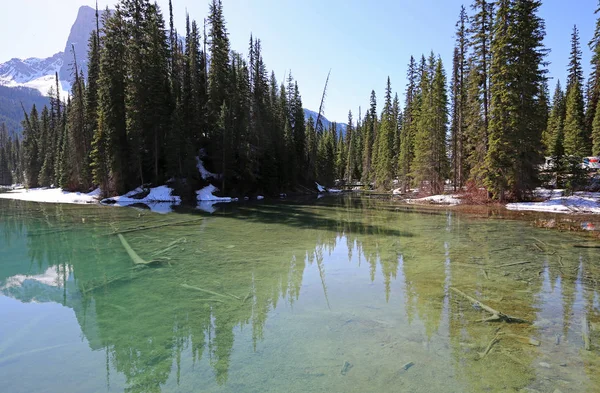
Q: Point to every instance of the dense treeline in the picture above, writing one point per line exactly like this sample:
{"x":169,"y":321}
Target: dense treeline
{"x":11,"y":111}
{"x":152,"y":104}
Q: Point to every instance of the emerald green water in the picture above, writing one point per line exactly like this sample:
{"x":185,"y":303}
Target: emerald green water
{"x":336,"y":295}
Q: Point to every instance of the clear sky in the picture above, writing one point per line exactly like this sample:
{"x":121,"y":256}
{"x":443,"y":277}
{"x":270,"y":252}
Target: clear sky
{"x":361,"y":41}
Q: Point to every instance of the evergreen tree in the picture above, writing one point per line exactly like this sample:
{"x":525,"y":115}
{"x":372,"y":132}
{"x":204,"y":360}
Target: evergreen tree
{"x":594,"y":87}
{"x":459,"y":100}
{"x":384,"y":166}
{"x":596,"y":132}
{"x":430,"y":165}
{"x":5,"y":170}
{"x":553,"y":136}
{"x":110,"y":144}
{"x":517,"y":117}
{"x":218,"y":75}
{"x":577,"y":139}
{"x":480,"y":31}
{"x":408,"y":128}
{"x":31,"y":135}
{"x":368,"y":138}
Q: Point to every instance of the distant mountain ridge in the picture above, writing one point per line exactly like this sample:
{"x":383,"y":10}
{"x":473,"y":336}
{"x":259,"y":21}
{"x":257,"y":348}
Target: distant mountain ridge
{"x":28,"y":81}
{"x":40,"y":74}
{"x":340,"y":127}
{"x":34,"y":77}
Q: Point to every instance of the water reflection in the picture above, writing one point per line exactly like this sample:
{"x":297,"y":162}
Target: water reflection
{"x":268,"y":297}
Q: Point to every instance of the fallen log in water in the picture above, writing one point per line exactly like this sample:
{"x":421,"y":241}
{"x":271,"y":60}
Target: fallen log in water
{"x":143,"y":228}
{"x":585,"y":333}
{"x":497,"y":316}
{"x":227,"y":296}
{"x":132,"y":254}
{"x":494,"y":341}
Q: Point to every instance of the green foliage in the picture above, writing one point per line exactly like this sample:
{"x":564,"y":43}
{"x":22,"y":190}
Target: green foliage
{"x":430,"y":166}
{"x":553,"y":136}
{"x":517,"y":117}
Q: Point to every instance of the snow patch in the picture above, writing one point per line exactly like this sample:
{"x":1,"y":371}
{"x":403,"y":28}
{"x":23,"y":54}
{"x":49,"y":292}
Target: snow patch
{"x":260,"y":197}
{"x":156,"y":195}
{"x":206,"y":194}
{"x":159,"y":199}
{"x":451,"y":200}
{"x":51,"y":195}
{"x":322,"y":189}
{"x":581,"y":202}
{"x":203,"y":172}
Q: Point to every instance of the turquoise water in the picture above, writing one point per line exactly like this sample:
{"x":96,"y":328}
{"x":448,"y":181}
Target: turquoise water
{"x":338,"y":295}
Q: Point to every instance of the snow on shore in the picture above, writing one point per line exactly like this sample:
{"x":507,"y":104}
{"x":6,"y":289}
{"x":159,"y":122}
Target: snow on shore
{"x":206,"y":194}
{"x":51,"y":195}
{"x":162,"y":194}
{"x":204,"y":173}
{"x":580,"y":203}
{"x":159,"y":199}
{"x":450,"y":200}
{"x":322,"y":189}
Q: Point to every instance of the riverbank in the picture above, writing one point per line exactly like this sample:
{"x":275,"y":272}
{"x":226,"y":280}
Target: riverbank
{"x":545,"y":200}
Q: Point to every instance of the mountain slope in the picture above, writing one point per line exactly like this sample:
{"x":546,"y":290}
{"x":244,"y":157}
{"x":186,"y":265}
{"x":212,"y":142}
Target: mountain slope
{"x":39,"y":74}
{"x":341,"y":127}
{"x":28,"y":81}
{"x":11,"y":112}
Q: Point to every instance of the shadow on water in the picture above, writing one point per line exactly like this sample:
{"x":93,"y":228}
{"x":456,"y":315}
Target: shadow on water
{"x":278,"y":296}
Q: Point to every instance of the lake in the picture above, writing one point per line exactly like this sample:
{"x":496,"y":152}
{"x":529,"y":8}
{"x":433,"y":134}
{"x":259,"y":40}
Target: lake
{"x":341,"y":294}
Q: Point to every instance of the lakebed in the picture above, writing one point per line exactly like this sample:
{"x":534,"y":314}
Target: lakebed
{"x":343,"y":293}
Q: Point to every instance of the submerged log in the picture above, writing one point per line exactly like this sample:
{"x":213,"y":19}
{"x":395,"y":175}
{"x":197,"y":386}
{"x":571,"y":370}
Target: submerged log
{"x":489,"y":347}
{"x":585,"y":333}
{"x":144,"y":228}
{"x":132,"y":254}
{"x":497,"y":316}
{"x":227,"y":296}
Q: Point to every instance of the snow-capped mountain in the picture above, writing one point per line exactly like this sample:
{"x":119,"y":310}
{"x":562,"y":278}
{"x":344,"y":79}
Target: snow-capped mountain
{"x":341,"y":127}
{"x":40,"y":74}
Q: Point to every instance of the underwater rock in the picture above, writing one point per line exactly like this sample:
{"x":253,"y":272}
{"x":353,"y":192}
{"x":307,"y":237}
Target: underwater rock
{"x":346,"y":367}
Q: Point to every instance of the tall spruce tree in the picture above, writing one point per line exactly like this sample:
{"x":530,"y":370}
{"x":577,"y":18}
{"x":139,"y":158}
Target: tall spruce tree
{"x":408,"y":127}
{"x":430,"y":163}
{"x":480,"y":37}
{"x":594,"y":90}
{"x":459,"y":100}
{"x":553,"y":136}
{"x":518,"y":77}
{"x":577,"y":139}
{"x":110,"y":142}
{"x":384,"y":165}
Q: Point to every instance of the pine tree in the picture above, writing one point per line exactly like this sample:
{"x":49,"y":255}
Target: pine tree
{"x":594,"y":90}
{"x":430,"y":165}
{"x":576,"y":136}
{"x":517,"y":117}
{"x":553,"y":136}
{"x":5,"y":170}
{"x":110,"y":144}
{"x":31,"y":134}
{"x":384,"y":165}
{"x":480,"y":31}
{"x":46,"y":152}
{"x":369,"y":138}
{"x":218,"y":74}
{"x":459,"y":100}
{"x":408,"y":128}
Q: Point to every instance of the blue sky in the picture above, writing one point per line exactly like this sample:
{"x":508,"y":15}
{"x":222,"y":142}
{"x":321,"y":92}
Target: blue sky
{"x":361,"y":41}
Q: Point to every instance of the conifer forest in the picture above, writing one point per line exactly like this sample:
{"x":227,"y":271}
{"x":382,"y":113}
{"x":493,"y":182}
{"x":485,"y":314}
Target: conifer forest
{"x":153,"y":103}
